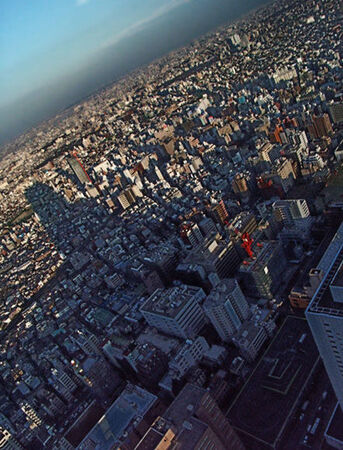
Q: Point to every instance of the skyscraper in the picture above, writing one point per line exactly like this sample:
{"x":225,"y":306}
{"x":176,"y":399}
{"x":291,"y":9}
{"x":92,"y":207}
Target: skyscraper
{"x":320,"y":126}
{"x":78,"y":169}
{"x":227,"y":308}
{"x":325,"y":313}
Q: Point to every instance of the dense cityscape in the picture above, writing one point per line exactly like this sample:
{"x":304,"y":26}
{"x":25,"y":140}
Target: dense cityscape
{"x":171,"y":250}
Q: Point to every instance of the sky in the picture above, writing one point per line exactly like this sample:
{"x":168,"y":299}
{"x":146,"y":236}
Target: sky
{"x":55,"y":52}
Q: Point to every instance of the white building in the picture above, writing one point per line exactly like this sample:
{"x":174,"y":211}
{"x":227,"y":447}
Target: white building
{"x":176,"y":311}
{"x":289,"y":212}
{"x":188,"y":356}
{"x":227,"y":308}
{"x":249,"y":339}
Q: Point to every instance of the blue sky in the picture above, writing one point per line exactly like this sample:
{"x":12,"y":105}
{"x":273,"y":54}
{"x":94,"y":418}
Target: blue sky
{"x":54,"y":53}
{"x":41,"y":40}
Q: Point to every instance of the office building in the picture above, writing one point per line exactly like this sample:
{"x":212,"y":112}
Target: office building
{"x":78,"y":169}
{"x":188,"y":356}
{"x":250,"y":339}
{"x":262,"y":275}
{"x":320,"y":126}
{"x":290,"y":211}
{"x":191,"y":234}
{"x":176,"y":311}
{"x":207,"y":227}
{"x":215,"y":256}
{"x":219,"y":212}
{"x":227,"y":308}
{"x":149,"y":363}
{"x":325,"y":313}
{"x":124,"y":423}
{"x":194,"y":402}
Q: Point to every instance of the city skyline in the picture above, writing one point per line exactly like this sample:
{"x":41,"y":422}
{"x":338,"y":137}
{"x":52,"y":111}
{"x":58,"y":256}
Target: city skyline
{"x":56,"y":55}
{"x":171,"y":247}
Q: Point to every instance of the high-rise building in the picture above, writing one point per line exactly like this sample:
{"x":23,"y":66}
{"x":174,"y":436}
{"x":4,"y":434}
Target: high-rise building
{"x":78,"y":169}
{"x":240,"y":185}
{"x":194,"y":402}
{"x":216,"y":256}
{"x":227,"y":308}
{"x":289,"y":211}
{"x":219,"y":212}
{"x":188,"y":356}
{"x":191,"y":233}
{"x":262,"y":275}
{"x":124,"y":424}
{"x":320,"y":126}
{"x":176,"y":311}
{"x":207,"y":227}
{"x":325,"y":313}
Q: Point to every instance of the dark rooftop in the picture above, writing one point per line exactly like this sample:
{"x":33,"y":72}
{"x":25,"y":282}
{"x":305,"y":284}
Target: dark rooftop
{"x":267,"y":400}
{"x":185,"y":404}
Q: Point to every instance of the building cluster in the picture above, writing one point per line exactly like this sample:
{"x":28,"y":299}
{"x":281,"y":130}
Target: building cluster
{"x":154,"y":236}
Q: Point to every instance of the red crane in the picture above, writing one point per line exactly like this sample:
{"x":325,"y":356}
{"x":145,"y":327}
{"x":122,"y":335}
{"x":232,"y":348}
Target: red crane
{"x":247,"y":244}
{"x":246,"y":240}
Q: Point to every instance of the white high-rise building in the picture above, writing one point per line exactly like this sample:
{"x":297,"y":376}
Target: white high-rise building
{"x":227,"y":308}
{"x":176,"y":311}
{"x":325,"y":313}
{"x":289,"y":211}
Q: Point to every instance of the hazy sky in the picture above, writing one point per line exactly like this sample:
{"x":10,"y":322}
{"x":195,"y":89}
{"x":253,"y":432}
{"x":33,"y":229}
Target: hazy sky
{"x":54,"y":52}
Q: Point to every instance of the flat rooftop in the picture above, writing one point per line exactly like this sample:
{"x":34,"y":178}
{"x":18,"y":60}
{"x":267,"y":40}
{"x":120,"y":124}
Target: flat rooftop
{"x":184,"y":405}
{"x":275,"y":386}
{"x":220,"y":293}
{"x":331,"y":264}
{"x":133,"y":403}
{"x":169,"y":302}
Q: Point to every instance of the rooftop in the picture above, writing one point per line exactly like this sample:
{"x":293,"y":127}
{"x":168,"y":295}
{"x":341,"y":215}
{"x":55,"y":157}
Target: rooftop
{"x":171,"y":301}
{"x":331,"y":264}
{"x":185,"y":404}
{"x":262,"y":257}
{"x":132,"y":404}
{"x":220,"y":293}
{"x":278,"y":382}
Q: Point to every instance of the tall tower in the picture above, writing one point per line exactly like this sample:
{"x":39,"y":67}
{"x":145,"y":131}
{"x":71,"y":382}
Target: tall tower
{"x":325,"y":313}
{"x":78,"y":169}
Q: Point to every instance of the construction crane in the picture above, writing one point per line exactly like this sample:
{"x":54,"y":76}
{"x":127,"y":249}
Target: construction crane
{"x":247,"y":241}
{"x":247,"y":244}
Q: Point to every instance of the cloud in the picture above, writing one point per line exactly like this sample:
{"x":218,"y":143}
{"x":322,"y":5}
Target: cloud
{"x":142,"y":24}
{"x":81,"y":2}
